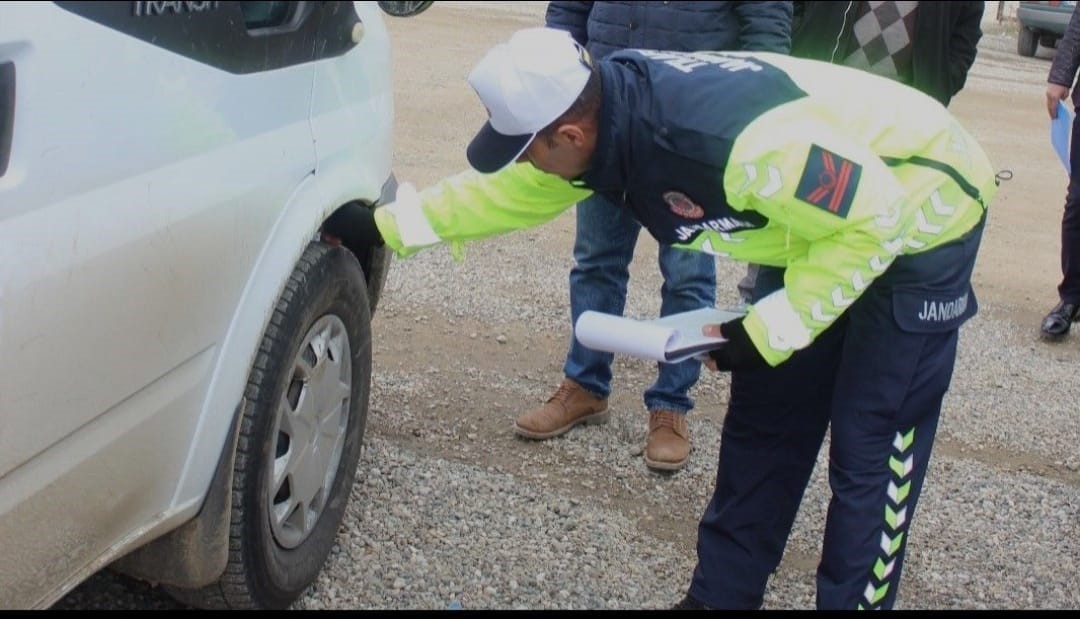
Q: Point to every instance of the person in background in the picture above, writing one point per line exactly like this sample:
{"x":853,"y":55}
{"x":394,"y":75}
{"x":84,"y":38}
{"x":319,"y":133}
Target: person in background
{"x":606,"y":231}
{"x":1062,"y":76}
{"x":929,"y":46}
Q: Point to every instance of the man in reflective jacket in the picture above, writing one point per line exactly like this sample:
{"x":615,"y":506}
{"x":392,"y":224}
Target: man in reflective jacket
{"x":870,"y":195}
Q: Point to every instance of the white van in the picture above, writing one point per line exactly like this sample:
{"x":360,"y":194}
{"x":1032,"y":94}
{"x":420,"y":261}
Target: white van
{"x":184,"y":365}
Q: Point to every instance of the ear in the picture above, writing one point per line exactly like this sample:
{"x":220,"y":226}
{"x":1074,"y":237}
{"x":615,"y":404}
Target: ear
{"x":572,"y":134}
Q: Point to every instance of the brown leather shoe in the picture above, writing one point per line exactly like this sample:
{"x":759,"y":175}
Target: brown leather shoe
{"x":668,"y":446}
{"x":571,"y":405}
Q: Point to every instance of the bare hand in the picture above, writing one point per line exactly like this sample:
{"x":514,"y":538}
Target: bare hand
{"x":710,"y":331}
{"x":1055,"y":93}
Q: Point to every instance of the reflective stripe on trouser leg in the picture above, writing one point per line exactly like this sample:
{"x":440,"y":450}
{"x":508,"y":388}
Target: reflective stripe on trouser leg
{"x":772,"y":434}
{"x":886,"y":408}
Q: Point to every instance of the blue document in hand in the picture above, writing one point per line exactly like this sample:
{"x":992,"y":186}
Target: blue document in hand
{"x":1060,"y":132}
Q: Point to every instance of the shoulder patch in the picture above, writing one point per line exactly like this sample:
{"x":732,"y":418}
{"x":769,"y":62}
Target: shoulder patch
{"x":829,"y":181}
{"x":682,"y":205}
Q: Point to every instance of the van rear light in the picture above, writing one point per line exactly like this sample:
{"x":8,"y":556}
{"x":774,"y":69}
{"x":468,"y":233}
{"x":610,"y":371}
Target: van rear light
{"x":7,"y":112}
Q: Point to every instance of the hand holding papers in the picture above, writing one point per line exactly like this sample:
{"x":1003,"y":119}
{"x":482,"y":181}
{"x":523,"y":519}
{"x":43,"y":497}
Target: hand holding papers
{"x":1060,"y":132}
{"x":670,"y":339}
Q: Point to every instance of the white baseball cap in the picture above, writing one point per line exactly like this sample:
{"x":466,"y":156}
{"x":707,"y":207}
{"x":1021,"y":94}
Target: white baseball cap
{"x":525,"y":84}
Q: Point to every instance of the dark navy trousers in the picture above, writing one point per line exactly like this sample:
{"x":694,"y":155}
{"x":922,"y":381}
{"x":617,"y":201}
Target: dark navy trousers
{"x":1069,"y":288}
{"x":875,"y":379}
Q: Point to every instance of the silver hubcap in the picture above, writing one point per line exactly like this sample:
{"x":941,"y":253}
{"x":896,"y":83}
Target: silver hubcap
{"x":312,"y":418}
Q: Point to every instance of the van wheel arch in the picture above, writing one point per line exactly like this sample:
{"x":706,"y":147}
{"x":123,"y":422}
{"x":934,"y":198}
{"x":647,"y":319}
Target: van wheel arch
{"x":270,"y":564}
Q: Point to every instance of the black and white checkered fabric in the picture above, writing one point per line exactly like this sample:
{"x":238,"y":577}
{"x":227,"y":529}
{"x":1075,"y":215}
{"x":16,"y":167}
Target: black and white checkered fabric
{"x":883,"y":34}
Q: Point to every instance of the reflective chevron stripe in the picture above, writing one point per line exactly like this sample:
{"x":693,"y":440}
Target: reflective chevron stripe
{"x":901,"y":467}
{"x":726,"y":236}
{"x":889,"y":218}
{"x":707,"y":247}
{"x":771,"y":187}
{"x":774,"y":185}
{"x":875,"y":595}
{"x":879,"y":266}
{"x":751,"y":175}
{"x":838,"y":298}
{"x":898,"y":494}
{"x":902,"y":442}
{"x":889,"y":545}
{"x":925,"y":226}
{"x":901,"y":464}
{"x":940,"y":207}
{"x":895,"y":519}
{"x":883,"y":570}
{"x":819,"y":315}
{"x":857,"y":282}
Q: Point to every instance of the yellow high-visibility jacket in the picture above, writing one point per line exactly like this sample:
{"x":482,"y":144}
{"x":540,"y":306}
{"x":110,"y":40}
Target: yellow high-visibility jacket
{"x":827,"y":171}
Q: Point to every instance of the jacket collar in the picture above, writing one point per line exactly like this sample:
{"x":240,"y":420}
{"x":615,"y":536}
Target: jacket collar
{"x":609,"y":169}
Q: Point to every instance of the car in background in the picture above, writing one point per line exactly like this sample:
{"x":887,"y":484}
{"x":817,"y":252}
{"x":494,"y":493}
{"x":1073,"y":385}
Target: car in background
{"x":1041,"y":23}
{"x":184,"y":363}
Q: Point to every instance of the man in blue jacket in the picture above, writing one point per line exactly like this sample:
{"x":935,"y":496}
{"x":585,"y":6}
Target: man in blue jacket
{"x":607,"y":233}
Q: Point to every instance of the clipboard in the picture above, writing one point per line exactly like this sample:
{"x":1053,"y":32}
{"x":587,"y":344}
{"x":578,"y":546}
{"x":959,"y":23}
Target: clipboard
{"x":670,"y":339}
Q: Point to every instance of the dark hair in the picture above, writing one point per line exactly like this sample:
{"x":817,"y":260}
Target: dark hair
{"x":585,"y":107}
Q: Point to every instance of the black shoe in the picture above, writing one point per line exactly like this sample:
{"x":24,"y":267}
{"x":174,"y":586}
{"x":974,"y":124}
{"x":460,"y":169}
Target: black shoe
{"x":1056,"y":324}
{"x":689,"y":603}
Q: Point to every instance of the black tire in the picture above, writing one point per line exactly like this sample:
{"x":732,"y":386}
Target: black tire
{"x":263,"y":572}
{"x":1027,"y":41}
{"x":405,"y":9}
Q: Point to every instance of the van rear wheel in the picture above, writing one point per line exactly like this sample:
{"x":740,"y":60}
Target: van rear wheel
{"x":300,"y":437}
{"x":1027,"y":42}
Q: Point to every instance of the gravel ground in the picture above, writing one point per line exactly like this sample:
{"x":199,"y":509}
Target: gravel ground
{"x":521,"y":533}
{"x":450,"y":511}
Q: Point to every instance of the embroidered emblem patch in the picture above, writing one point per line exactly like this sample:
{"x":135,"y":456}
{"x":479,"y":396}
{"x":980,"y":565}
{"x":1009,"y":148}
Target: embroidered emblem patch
{"x":682,"y":205}
{"x":829,"y":181}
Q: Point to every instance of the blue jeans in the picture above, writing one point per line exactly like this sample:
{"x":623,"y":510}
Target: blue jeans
{"x":603,"y":249}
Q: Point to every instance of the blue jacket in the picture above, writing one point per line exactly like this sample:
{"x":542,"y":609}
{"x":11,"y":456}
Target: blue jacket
{"x":604,"y":27}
